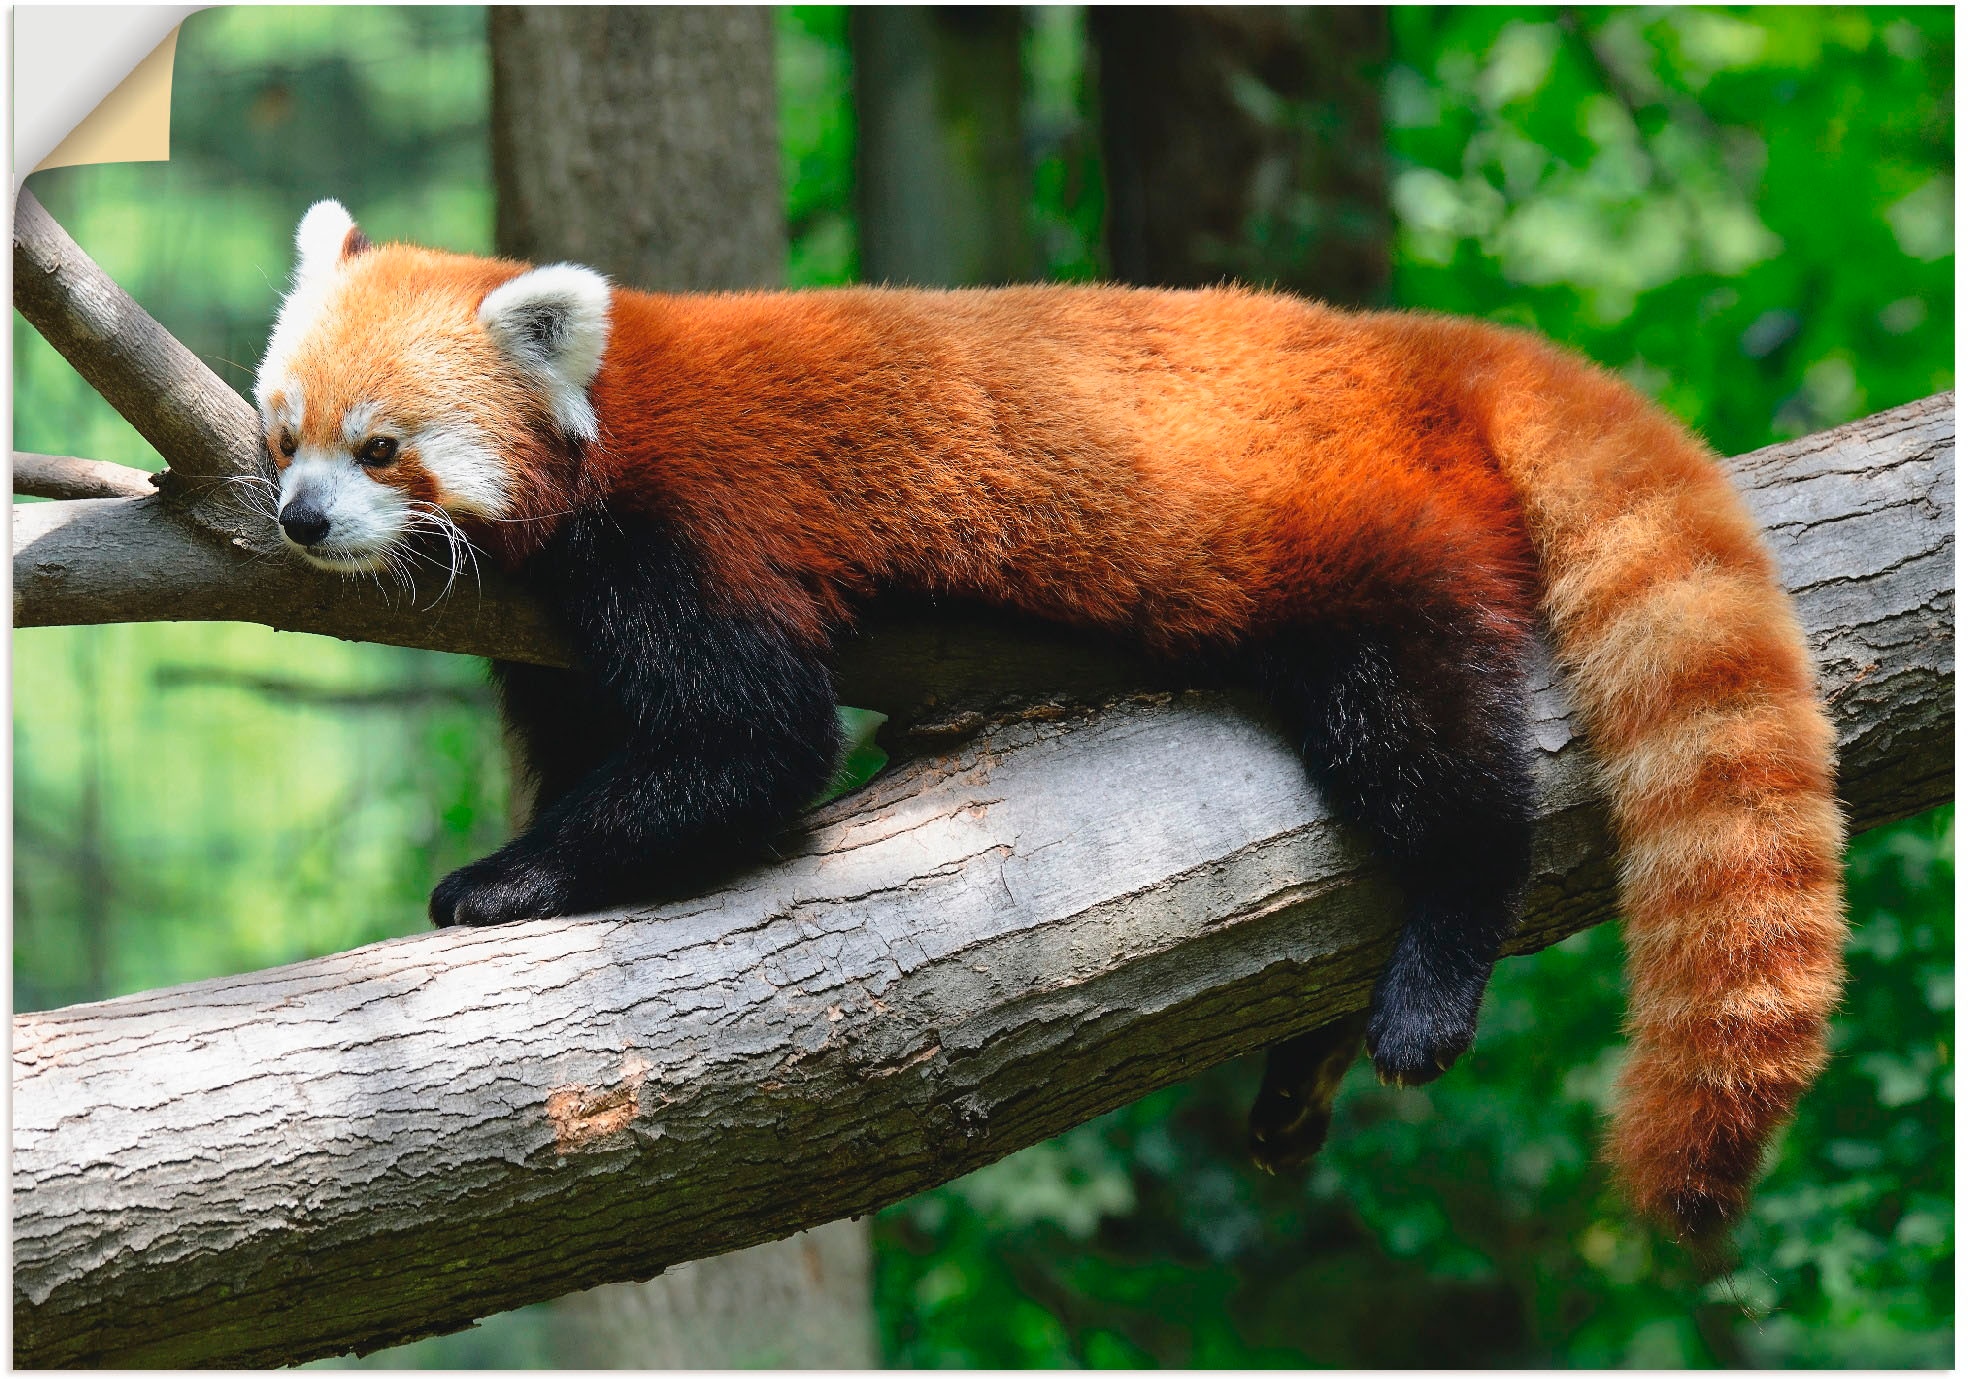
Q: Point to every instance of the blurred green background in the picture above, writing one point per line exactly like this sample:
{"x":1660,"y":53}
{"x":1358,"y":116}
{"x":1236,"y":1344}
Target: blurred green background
{"x":1749,"y":213}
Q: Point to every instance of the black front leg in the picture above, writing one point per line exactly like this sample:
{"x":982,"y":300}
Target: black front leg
{"x":729,"y":732}
{"x":559,"y":727}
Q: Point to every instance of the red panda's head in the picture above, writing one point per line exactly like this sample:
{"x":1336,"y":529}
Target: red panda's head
{"x":405,"y":390}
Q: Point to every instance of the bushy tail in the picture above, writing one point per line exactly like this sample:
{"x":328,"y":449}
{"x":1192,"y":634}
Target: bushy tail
{"x":1698,"y":696}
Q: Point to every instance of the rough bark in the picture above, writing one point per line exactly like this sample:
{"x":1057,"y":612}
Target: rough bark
{"x":607,"y":121}
{"x":1245,"y":142}
{"x":101,"y":560}
{"x":941,"y":181}
{"x":994,"y":942}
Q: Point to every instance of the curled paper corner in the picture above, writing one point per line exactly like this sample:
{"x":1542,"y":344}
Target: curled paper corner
{"x":92,"y":84}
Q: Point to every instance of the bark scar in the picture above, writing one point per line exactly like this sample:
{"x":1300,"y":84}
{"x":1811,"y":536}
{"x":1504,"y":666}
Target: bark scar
{"x":581,"y":1115}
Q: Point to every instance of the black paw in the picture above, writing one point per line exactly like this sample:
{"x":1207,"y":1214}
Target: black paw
{"x":1287,"y":1130}
{"x":498,"y":891}
{"x":1293,"y":1111}
{"x":1412,"y":1041}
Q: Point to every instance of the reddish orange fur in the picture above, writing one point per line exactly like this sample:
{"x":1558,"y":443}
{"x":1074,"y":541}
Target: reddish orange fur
{"x":1200,"y":467}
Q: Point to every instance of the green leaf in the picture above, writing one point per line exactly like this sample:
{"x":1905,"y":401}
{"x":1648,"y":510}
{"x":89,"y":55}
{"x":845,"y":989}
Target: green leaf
{"x":861,"y":758}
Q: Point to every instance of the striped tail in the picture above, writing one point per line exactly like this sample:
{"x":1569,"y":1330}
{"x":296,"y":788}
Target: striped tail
{"x":1698,"y":696}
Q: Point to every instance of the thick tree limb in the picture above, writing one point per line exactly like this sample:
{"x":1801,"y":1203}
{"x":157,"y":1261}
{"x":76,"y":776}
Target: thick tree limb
{"x":60,"y":476}
{"x":992,"y":943}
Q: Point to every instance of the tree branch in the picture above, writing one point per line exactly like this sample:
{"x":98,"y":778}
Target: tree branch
{"x":137,"y":560}
{"x":994,"y":942}
{"x":203,"y":429}
{"x":59,"y":476}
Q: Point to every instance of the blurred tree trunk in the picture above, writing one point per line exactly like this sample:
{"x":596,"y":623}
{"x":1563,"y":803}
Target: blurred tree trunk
{"x":645,"y":142}
{"x":92,"y":852}
{"x":642,"y":141}
{"x":799,"y":1303}
{"x":1245,"y":142}
{"x":940,"y":174}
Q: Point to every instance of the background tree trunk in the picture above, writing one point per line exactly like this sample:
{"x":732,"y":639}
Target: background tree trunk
{"x":645,"y":142}
{"x":639,"y":140}
{"x":1245,"y":142}
{"x":941,"y":177}
{"x":799,"y":1303}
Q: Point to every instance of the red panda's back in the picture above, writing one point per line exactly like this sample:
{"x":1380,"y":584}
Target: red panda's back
{"x":1186,"y":465}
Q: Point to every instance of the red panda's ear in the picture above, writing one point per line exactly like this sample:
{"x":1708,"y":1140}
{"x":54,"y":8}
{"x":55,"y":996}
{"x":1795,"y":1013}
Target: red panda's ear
{"x":553,"y":323}
{"x":327,"y":236}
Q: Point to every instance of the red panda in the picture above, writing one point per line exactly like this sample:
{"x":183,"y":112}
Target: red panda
{"x":1366,"y":514}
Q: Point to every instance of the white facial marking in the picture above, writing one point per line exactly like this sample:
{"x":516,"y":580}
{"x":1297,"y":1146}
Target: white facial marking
{"x":553,"y":323}
{"x":471,"y":477}
{"x":359,"y":420}
{"x":364,"y":517}
{"x":299,"y":315}
{"x":293,"y":404}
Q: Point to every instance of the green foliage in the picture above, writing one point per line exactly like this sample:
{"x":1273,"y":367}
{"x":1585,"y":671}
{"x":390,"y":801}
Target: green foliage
{"x":191,"y":830}
{"x":1853,"y":1239}
{"x":862,"y":758}
{"x":816,"y":132}
{"x":1749,"y":213}
{"x":1068,"y":198}
{"x":171,"y":831}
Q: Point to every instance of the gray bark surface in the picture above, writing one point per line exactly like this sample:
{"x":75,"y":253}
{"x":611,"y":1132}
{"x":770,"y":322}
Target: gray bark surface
{"x":202,"y":428}
{"x":1082,"y":901}
{"x":624,"y":113}
{"x":102,"y":560}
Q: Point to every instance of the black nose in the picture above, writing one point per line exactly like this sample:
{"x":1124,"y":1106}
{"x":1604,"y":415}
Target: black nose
{"x":305,"y":525}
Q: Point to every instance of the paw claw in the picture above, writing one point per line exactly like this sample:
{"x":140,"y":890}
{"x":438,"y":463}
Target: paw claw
{"x":1288,"y":1144}
{"x":1412,"y":1055}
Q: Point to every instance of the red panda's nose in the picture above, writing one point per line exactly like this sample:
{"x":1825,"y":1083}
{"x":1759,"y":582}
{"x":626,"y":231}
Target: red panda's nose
{"x":306,"y":525}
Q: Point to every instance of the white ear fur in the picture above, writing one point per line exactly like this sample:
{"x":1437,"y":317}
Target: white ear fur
{"x":318,"y":243}
{"x":553,"y":322}
{"x":324,"y":233}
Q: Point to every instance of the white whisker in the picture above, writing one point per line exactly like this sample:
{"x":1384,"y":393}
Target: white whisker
{"x":259,"y":495}
{"x":534,"y":517}
{"x":457,"y":546}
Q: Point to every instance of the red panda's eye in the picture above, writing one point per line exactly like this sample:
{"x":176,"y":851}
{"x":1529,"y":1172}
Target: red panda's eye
{"x":288,"y":443}
{"x":381,"y":450}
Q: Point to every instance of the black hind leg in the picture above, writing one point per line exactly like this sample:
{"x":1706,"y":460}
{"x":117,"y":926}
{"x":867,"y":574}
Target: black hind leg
{"x":1417,"y":732}
{"x":1293,"y":1110}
